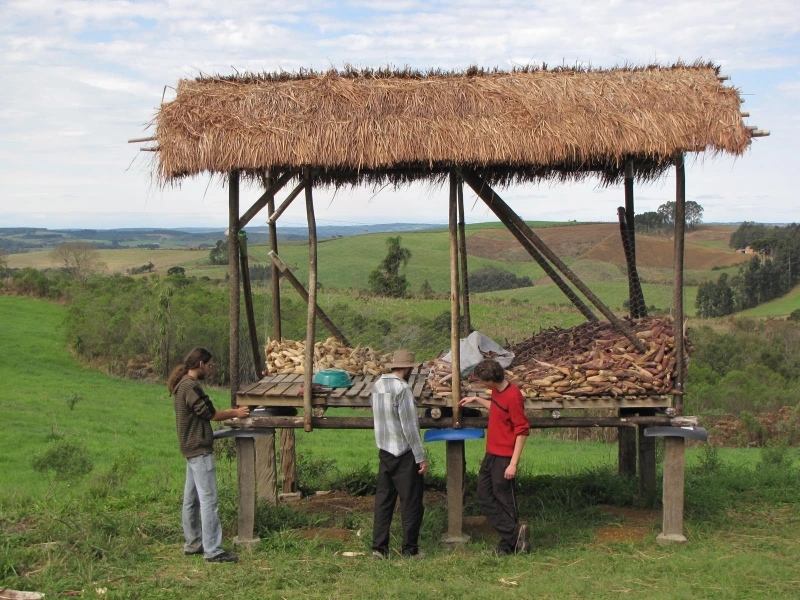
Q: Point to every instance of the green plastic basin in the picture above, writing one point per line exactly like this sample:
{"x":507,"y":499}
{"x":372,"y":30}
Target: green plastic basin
{"x":334,"y":378}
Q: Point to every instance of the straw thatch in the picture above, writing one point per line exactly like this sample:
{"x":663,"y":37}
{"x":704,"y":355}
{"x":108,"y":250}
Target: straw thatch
{"x":376,"y":126}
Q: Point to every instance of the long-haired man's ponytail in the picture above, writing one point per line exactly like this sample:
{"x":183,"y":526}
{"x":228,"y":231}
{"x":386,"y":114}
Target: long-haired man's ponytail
{"x":192,"y":361}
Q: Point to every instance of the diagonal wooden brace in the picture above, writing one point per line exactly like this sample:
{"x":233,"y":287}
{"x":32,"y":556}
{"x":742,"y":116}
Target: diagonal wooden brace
{"x":284,"y":269}
{"x":264,"y":199}
{"x":493,"y":201}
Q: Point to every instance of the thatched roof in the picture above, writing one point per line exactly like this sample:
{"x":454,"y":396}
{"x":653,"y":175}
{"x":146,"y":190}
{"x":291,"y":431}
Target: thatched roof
{"x":397,"y":126}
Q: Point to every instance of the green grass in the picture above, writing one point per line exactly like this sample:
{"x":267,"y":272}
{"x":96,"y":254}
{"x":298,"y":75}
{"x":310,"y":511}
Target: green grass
{"x":743,"y":519}
{"x":780,"y":307}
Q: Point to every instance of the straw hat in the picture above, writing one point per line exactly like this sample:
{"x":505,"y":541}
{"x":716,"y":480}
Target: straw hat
{"x":402,"y":359}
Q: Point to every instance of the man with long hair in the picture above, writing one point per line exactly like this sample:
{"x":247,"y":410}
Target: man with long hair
{"x":194,"y":412}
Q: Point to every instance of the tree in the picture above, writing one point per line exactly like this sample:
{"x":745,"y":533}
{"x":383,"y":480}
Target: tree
{"x":648,"y":221}
{"x":715,"y":299}
{"x":219,"y":253}
{"x":3,"y":258}
{"x":180,"y":271}
{"x":80,"y":259}
{"x":692,"y":210}
{"x":386,"y":280}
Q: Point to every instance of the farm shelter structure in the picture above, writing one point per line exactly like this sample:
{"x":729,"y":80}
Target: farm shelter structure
{"x":488,"y":129}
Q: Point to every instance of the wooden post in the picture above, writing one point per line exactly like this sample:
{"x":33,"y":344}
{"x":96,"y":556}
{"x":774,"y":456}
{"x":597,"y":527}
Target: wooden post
{"x":284,"y":269}
{"x":455,"y":448}
{"x":490,"y":197}
{"x":647,"y":465}
{"x":466,"y":321}
{"x":673,"y":490}
{"x":286,"y":437}
{"x":266,"y":473}
{"x":455,"y":494}
{"x":273,"y":187}
{"x":626,"y":451}
{"x":245,"y":459}
{"x":680,"y":229}
{"x":636,"y":303}
{"x":455,"y":329}
{"x":245,"y":464}
{"x":288,"y":462}
{"x":311,"y":318}
{"x":233,"y":280}
{"x":248,"y":305}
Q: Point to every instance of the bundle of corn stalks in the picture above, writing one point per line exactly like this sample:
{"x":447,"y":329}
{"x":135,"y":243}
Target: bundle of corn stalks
{"x":288,"y":356}
{"x":591,"y":359}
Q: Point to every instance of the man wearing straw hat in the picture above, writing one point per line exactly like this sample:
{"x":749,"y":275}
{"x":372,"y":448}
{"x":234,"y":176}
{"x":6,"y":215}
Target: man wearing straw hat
{"x":402,"y":457}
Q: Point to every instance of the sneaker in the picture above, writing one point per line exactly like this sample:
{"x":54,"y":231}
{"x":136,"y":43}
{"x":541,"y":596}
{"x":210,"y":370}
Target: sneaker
{"x":193,"y":552}
{"x":378,"y":555}
{"x":223,"y":557}
{"x":523,"y":540}
{"x":417,"y":556}
{"x":502,"y":552}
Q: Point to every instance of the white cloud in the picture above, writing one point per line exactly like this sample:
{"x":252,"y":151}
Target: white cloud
{"x":81,"y":77}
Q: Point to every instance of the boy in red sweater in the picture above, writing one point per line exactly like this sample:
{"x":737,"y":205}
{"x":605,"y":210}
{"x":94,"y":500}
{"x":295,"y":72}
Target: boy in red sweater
{"x":505,"y":439}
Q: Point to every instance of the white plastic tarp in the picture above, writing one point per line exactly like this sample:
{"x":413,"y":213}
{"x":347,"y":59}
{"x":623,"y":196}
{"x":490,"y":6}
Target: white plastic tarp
{"x":474,"y":349}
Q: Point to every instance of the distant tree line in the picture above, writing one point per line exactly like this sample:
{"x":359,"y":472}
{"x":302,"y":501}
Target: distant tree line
{"x":664,"y":217}
{"x":769,"y":275}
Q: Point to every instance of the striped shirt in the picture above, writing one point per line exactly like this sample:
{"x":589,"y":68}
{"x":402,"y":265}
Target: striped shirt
{"x":193,"y":414}
{"x":396,"y":420}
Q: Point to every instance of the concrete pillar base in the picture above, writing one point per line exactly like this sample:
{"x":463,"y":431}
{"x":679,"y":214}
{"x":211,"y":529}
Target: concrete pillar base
{"x":671,"y":538}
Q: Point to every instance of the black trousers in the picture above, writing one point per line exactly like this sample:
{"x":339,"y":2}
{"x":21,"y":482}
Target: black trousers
{"x":398,"y":476}
{"x":497,"y":501}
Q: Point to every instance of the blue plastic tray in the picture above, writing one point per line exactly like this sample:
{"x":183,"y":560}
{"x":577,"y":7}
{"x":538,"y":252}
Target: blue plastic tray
{"x":438,"y":435}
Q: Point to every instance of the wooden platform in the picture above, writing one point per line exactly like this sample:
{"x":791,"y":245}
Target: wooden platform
{"x":287,"y":390}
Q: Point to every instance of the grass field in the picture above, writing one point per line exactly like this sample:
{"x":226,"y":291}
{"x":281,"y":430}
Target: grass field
{"x":120,"y":537}
{"x":780,"y":307}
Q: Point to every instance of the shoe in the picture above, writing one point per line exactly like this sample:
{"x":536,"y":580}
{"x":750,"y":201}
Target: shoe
{"x":223,"y":557}
{"x":193,"y":552}
{"x":502,"y":552}
{"x":523,"y":540}
{"x":378,"y":555}
{"x":417,"y":556}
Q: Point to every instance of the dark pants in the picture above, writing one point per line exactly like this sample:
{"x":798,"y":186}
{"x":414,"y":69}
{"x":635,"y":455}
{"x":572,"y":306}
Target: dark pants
{"x":398,"y":475}
{"x":497,"y":501}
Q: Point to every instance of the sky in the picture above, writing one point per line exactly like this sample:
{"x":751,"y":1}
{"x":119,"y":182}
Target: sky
{"x":81,"y":77}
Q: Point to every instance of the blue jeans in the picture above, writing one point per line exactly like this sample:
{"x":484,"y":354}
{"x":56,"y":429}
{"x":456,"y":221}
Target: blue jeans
{"x":200,"y":506}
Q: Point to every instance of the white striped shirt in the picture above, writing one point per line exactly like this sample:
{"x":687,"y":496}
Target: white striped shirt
{"x":395,"y":415}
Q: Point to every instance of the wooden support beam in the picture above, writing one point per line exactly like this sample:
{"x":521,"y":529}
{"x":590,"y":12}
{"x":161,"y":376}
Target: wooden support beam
{"x":674,"y":465}
{"x":284,"y":269}
{"x":744,"y":114}
{"x":233,"y":281}
{"x":273,"y":217}
{"x":723,"y":77}
{"x":626,"y":447}
{"x":277,"y":334}
{"x":245,"y":466}
{"x":264,"y":198}
{"x":288,"y":455}
{"x":290,"y":423}
{"x":455,"y":494}
{"x":244,"y":263}
{"x":636,"y":304}
{"x":677,"y":278}
{"x":466,"y":320}
{"x":455,"y":328}
{"x":647,"y":466}
{"x":490,"y":197}
{"x":266,"y":469}
{"x":546,"y":267}
{"x":146,"y":139}
{"x":759,"y":133}
{"x":311,"y":316}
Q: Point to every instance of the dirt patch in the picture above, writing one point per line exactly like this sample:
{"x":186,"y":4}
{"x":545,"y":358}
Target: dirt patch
{"x":567,"y":242}
{"x":634,"y":524}
{"x":338,"y":503}
{"x":656,"y":252}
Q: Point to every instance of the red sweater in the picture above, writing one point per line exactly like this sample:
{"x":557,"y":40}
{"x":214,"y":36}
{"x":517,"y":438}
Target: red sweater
{"x":506,"y":421}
